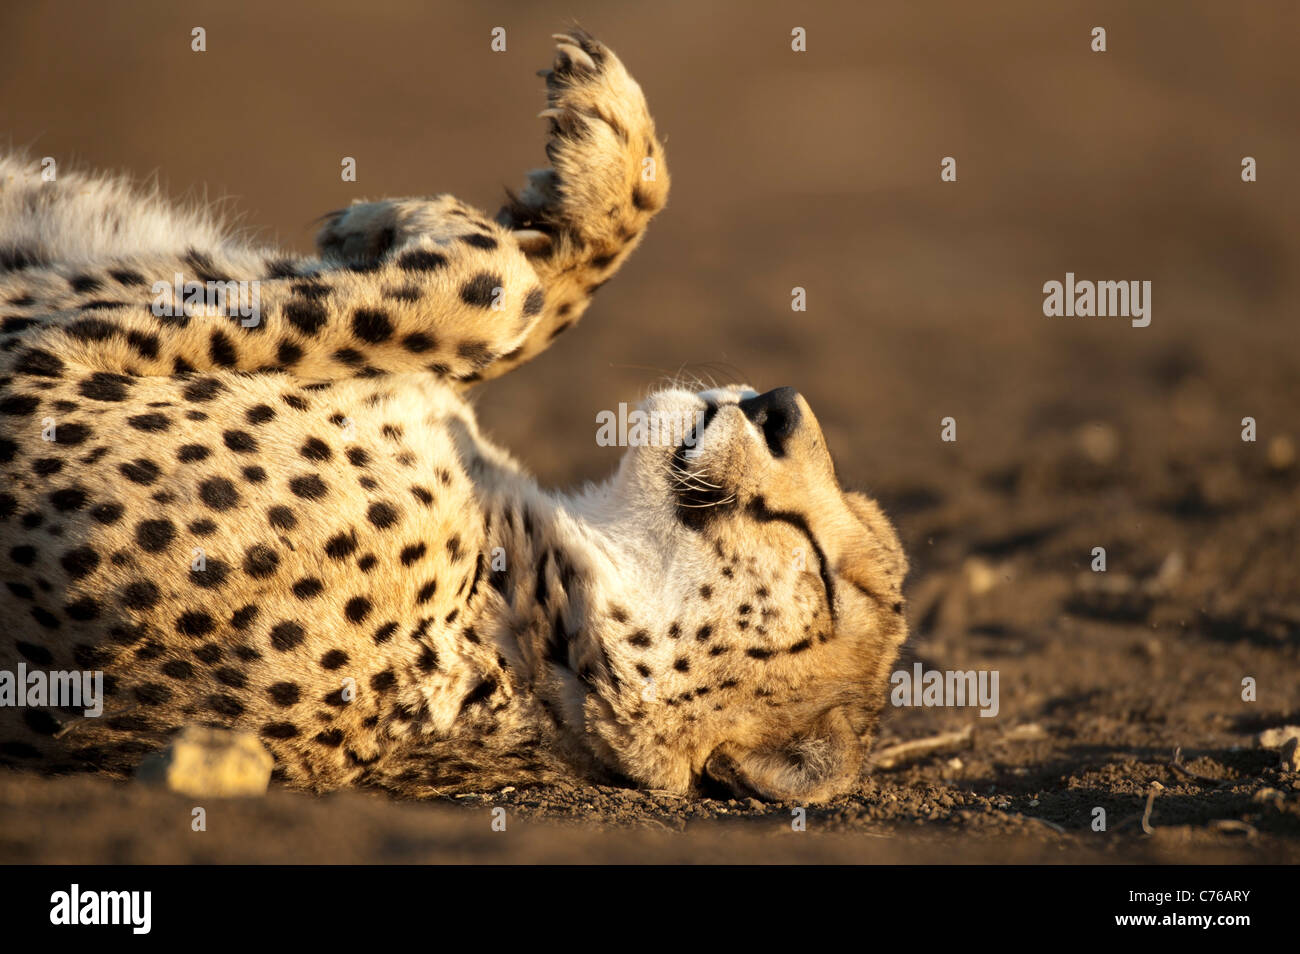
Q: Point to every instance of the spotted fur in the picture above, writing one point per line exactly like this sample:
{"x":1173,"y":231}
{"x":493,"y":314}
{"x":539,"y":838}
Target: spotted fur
{"x":293,"y":526}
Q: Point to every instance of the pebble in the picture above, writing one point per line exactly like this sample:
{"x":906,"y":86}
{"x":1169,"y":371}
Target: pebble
{"x":1276,"y":738}
{"x":210,"y":763}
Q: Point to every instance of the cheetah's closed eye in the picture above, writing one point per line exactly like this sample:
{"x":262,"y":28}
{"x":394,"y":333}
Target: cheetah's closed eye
{"x":292,"y":525}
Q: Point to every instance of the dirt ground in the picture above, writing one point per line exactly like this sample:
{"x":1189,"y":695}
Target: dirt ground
{"x":821,"y":170}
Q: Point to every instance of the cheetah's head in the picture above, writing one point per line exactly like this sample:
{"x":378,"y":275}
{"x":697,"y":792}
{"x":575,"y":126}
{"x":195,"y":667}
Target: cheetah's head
{"x":775,"y":602}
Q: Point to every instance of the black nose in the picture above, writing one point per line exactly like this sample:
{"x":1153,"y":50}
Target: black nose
{"x":776,"y":414}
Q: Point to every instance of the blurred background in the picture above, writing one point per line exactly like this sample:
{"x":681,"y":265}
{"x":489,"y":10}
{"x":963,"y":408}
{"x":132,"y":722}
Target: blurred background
{"x":924,"y":298}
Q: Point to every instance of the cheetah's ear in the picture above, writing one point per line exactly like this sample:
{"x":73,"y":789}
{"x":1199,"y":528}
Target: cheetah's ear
{"x":878,"y":556}
{"x":810,"y":767}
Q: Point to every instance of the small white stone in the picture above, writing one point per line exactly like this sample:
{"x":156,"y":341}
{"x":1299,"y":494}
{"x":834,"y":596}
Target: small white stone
{"x":1276,"y":738}
{"x":210,"y":763}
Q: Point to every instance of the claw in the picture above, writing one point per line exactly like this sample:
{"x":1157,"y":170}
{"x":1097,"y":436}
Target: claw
{"x":531,"y":240}
{"x":577,"y":55}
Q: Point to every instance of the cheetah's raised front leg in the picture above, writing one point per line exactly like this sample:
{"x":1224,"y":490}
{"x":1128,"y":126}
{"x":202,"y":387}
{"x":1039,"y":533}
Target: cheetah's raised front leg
{"x":425,"y":285}
{"x":574,"y":222}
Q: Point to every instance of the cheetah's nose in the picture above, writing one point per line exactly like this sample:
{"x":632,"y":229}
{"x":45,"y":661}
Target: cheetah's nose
{"x":776,"y":414}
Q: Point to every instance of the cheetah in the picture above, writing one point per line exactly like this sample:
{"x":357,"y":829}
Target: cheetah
{"x":290,"y":524}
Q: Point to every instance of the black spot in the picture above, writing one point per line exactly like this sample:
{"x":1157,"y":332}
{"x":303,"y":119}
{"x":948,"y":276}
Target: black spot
{"x":260,"y":561}
{"x":382,"y":515}
{"x":192,"y":453}
{"x":640,"y":639}
{"x":177,"y":669}
{"x":534,"y":303}
{"x":39,"y":362}
{"x":309,"y":587}
{"x":316,"y":449}
{"x":259,"y":414}
{"x":90,"y":329}
{"x":477,"y":353}
{"x":195,"y":623}
{"x":145,"y":344}
{"x":34,"y":653}
{"x":480,"y":290}
{"x":421,"y":260}
{"x":357,"y":609}
{"x":232,"y":677}
{"x":479,"y":693}
{"x":203,"y":389}
{"x":412,"y":553}
{"x":350,"y":356}
{"x":69,"y":499}
{"x":308,"y":316}
{"x":241,"y":442}
{"x":372,"y":325}
{"x":281,"y":268}
{"x":218,"y":493}
{"x":79,"y":562}
{"x":226,"y":705}
{"x":23,"y":555}
{"x":126,"y":276}
{"x":107,"y":513}
{"x":243,"y":617}
{"x":288,"y":353}
{"x":383,"y":681}
{"x":209,"y":653}
{"x":417,"y":342}
{"x":309,"y":487}
{"x":153,"y":536}
{"x":384,"y":633}
{"x":149,"y":422}
{"x":341,"y":545}
{"x":287,"y":635}
{"x":284,"y":694}
{"x":140,"y":595}
{"x":72,"y":434}
{"x":426,"y":592}
{"x":140,"y":471}
{"x":45,"y":618}
{"x":213,"y":575}
{"x":18,"y":405}
{"x":281,"y":518}
{"x":310,"y":289}
{"x":334,"y":659}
